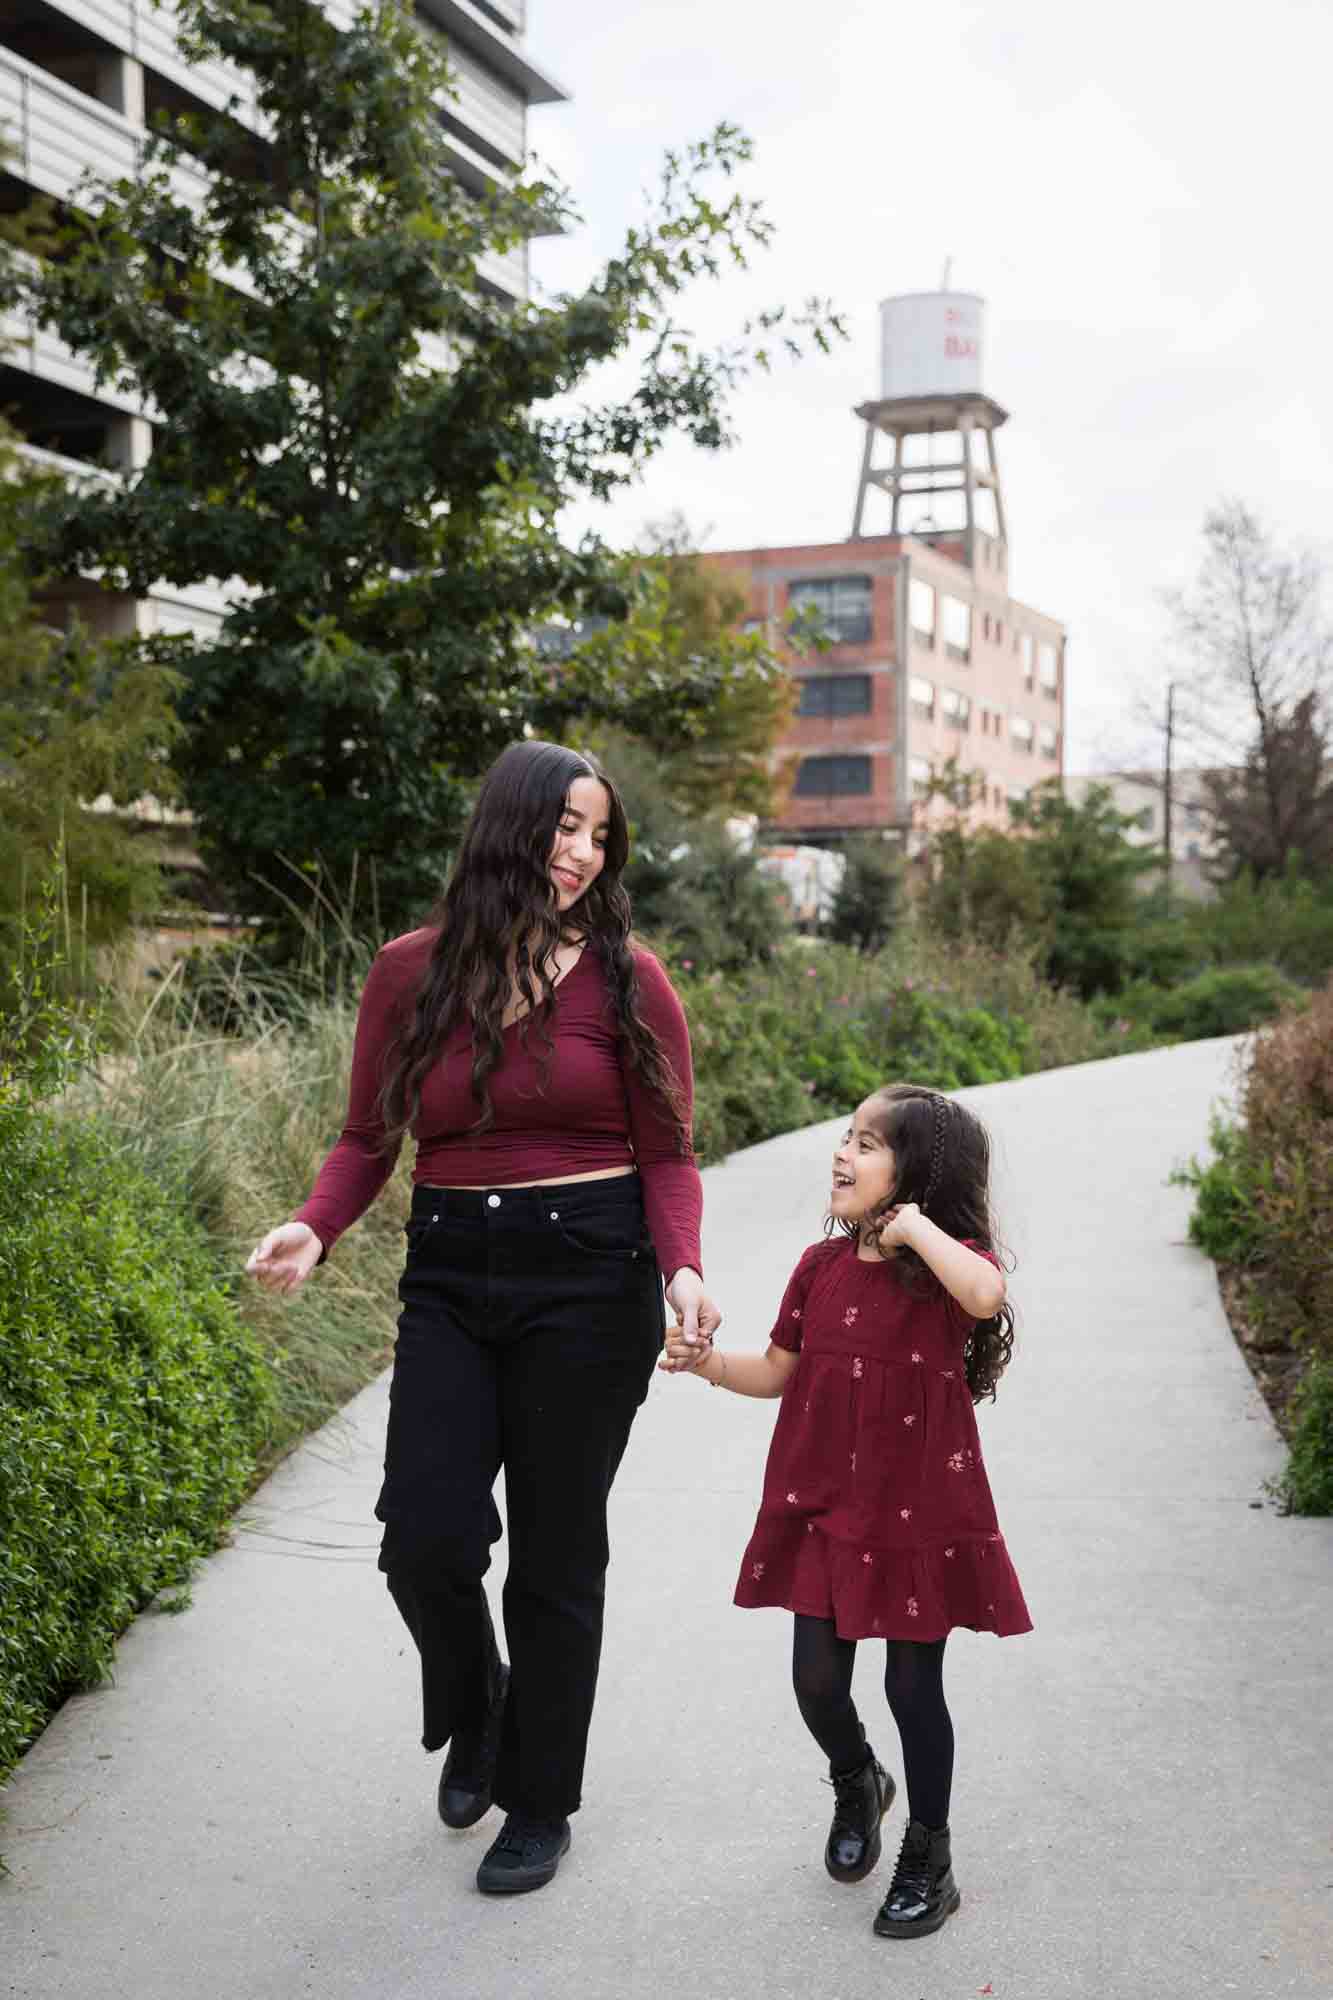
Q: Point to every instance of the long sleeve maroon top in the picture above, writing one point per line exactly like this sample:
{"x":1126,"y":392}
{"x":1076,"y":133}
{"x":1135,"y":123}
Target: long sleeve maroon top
{"x":596,"y":1111}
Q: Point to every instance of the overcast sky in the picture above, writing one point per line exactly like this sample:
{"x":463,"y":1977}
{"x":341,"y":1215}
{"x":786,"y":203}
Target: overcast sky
{"x":1140,"y":193}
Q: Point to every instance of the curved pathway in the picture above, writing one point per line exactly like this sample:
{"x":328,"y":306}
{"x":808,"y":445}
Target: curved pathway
{"x":1142,"y":1803}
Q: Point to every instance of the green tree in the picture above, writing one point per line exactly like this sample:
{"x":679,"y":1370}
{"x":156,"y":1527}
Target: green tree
{"x":692,"y":886}
{"x":370,"y":440}
{"x":79,"y":721}
{"x":867,"y":905}
{"x":1087,"y":871}
{"x":707,"y":698}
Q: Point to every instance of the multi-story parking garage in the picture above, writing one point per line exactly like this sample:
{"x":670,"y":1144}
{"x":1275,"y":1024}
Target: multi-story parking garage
{"x":80,"y":82}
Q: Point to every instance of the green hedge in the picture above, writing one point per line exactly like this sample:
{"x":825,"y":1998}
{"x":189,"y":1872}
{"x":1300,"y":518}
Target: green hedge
{"x":132,"y":1402}
{"x":809,"y":1035}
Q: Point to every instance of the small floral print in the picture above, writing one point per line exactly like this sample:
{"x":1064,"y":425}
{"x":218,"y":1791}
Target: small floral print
{"x":809,"y":1527}
{"x":807,"y":1406}
{"x":955,"y":1461}
{"x":904,"y":1513}
{"x":909,"y":1421}
{"x":791,"y":1499}
{"x":756,"y":1571}
{"x":852,"y":1314}
{"x":949,"y":1554}
{"x":867,"y":1557}
{"x":858,"y":1367}
{"x":796,"y":1312}
{"x":853,"y":1461}
{"x":994,"y":1538}
{"x":879,"y":1624}
{"x":911,"y":1607}
{"x":915,"y":1355}
{"x":949,"y":1375}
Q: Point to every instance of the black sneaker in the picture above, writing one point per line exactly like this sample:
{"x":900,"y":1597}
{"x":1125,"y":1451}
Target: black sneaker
{"x":524,"y":1856}
{"x":469,"y":1769}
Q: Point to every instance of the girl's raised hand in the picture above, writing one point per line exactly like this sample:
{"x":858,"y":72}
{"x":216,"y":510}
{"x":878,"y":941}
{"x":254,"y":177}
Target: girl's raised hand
{"x":285,"y":1258}
{"x":895,"y":1225}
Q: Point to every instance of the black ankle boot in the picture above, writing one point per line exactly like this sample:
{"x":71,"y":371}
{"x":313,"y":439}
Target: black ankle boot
{"x":525,"y":1855}
{"x":862,"y":1797}
{"x":469,"y":1769}
{"x":923,"y":1892}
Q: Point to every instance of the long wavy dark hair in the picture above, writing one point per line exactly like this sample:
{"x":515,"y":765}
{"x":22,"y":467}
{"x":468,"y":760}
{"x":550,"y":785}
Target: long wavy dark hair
{"x":942,"y":1154}
{"x":499,"y":923}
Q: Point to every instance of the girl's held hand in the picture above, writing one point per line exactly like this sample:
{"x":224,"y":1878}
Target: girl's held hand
{"x":285,"y":1258}
{"x":680,"y":1358}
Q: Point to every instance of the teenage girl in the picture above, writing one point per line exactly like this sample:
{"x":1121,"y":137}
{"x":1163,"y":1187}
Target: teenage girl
{"x":877,"y":1520}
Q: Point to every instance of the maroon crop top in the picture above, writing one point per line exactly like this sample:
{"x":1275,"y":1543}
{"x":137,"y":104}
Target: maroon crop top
{"x":595,"y":1113}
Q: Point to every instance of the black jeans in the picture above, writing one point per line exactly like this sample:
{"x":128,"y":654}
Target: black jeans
{"x":531,"y":1321}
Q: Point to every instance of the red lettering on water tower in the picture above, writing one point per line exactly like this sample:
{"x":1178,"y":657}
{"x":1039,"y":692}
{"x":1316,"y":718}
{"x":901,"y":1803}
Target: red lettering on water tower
{"x":959,"y":348}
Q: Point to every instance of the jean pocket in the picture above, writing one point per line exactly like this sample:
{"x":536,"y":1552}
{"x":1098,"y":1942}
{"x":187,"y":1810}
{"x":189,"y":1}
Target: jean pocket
{"x":615,"y":1233}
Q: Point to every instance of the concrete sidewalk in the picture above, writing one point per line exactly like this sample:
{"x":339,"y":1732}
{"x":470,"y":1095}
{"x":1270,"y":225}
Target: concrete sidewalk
{"x":1142,"y":1797}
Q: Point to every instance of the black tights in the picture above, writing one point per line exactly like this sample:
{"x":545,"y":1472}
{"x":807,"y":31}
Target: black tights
{"x":821,"y":1672}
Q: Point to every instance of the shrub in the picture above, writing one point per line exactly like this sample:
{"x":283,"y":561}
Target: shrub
{"x":1265,"y":1206}
{"x":1222,"y":1001}
{"x":131,"y":1406}
{"x":1305,"y":1484}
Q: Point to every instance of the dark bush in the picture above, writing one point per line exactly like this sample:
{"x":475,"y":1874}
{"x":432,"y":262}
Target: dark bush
{"x":1265,"y":1209}
{"x":131,"y":1406}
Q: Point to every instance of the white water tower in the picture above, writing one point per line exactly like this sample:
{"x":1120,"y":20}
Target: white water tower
{"x":931,"y":346}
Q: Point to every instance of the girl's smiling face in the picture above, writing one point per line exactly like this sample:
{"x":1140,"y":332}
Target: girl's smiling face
{"x":864,"y":1169}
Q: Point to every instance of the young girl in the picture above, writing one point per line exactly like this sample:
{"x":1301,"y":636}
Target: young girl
{"x":877,"y":1519}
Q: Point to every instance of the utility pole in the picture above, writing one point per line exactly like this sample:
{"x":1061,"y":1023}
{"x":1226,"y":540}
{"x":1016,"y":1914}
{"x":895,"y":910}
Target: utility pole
{"x":1168,"y":742}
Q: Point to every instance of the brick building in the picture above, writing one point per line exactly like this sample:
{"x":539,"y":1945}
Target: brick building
{"x":931,"y":657}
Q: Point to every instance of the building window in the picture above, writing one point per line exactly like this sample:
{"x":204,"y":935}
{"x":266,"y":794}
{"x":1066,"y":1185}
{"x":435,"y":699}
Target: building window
{"x":999,"y":631}
{"x":1048,"y":666}
{"x":1017,"y":794}
{"x":1021,"y":732}
{"x":1145,"y":820}
{"x":956,"y":709}
{"x":1049,"y":741}
{"x":957,"y":622}
{"x":752,"y":625}
{"x":1027,"y":646}
{"x":832,"y":777}
{"x":841,"y":604}
{"x":1192,"y":815}
{"x":835,"y":694}
{"x":921,"y":694}
{"x":991,"y":720}
{"x":1191,"y":850}
{"x":997,"y":796}
{"x":918,"y":772}
{"x":921,"y":612}
{"x":985,"y":626}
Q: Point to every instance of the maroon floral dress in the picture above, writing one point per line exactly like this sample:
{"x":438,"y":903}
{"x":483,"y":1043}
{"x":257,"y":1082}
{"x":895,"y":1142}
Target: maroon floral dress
{"x":877,"y":1512}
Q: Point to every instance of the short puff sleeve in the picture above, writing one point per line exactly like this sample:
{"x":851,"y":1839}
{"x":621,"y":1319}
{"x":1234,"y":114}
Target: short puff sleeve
{"x":787,"y":1328}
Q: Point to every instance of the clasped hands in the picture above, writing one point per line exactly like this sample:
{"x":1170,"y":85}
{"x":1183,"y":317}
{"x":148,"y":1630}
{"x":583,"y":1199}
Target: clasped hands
{"x":690,"y":1340}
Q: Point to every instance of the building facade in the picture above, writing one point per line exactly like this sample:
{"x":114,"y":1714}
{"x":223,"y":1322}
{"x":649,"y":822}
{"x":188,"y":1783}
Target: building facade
{"x":1141,"y":796}
{"x":80,"y":82}
{"x":931,"y":663}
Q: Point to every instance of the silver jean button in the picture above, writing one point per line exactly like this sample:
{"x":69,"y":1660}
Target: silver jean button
{"x":492,"y":1201}
{"x":555,"y":1215}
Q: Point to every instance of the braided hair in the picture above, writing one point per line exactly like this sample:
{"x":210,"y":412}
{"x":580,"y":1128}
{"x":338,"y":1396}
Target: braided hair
{"x":941,"y":1154}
